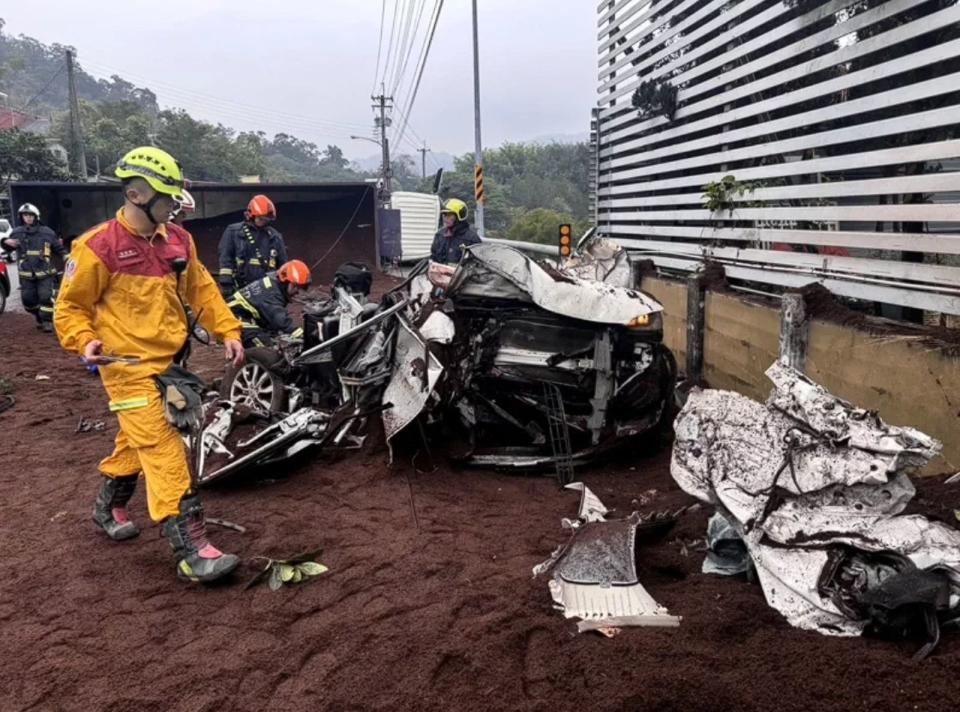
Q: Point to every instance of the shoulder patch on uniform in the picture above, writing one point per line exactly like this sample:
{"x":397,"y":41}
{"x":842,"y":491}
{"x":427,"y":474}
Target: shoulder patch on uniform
{"x":70,"y":269}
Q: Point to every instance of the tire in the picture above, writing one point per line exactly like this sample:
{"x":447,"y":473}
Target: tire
{"x":3,"y":299}
{"x":255,"y":384}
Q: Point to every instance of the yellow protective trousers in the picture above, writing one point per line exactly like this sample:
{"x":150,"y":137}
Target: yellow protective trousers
{"x":148,"y":443}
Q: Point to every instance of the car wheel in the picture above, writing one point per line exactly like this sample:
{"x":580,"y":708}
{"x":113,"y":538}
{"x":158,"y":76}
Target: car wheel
{"x":255,"y":385}
{"x":3,"y":299}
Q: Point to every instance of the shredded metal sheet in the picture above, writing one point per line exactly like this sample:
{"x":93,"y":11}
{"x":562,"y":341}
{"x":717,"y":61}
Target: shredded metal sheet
{"x":595,"y":576}
{"x":800,"y":475}
{"x":415,"y":373}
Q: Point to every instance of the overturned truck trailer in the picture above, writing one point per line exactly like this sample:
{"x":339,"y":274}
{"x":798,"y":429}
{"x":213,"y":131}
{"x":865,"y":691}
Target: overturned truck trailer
{"x":334,"y":222}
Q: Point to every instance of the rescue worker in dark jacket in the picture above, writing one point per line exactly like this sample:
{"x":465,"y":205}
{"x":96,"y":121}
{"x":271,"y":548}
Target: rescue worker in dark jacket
{"x":36,"y":245}
{"x":261,"y":306}
{"x":455,"y":234}
{"x":250,"y":249}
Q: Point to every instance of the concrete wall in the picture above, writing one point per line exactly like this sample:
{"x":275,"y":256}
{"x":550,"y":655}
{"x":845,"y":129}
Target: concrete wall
{"x":906,"y":381}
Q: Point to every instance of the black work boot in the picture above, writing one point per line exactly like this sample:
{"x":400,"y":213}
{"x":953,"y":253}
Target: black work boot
{"x":110,"y":509}
{"x":197,"y":558}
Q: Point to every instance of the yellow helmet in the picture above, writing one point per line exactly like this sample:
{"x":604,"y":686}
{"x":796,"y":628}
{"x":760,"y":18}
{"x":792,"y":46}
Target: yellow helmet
{"x":155,"y":166}
{"x":457,"y":207}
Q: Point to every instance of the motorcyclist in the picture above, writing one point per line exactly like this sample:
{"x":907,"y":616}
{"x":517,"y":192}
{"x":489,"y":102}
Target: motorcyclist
{"x":36,"y":244}
{"x":454,"y":235}
{"x":261,"y":306}
{"x":250,"y":249}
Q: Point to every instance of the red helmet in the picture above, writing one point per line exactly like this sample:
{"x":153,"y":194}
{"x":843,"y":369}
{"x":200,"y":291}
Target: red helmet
{"x":294,"y":272}
{"x":260,"y":206}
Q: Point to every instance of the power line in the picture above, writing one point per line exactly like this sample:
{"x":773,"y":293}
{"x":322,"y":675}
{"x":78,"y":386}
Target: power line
{"x":409,"y":39}
{"x":396,"y":134}
{"x":393,"y":29}
{"x":45,"y":86}
{"x":376,"y":71}
{"x":423,"y":64}
{"x":245,"y":108}
{"x":423,"y":45}
{"x":413,"y":43}
{"x":401,"y":42}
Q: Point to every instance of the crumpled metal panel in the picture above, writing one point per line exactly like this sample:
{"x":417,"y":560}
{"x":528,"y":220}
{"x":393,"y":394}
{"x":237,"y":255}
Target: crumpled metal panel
{"x":603,"y":260}
{"x":415,"y":373}
{"x":595,"y":576}
{"x":602,"y":553}
{"x":494,"y":270}
{"x":592,"y":602}
{"x":802,"y":475}
{"x":438,"y":327}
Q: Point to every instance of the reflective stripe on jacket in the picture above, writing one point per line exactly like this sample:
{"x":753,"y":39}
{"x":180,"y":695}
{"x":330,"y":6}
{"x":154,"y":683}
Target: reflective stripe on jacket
{"x":247,"y":253}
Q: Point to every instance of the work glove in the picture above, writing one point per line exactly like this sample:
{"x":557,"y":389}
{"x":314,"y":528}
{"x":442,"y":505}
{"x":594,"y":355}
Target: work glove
{"x":182,"y":394}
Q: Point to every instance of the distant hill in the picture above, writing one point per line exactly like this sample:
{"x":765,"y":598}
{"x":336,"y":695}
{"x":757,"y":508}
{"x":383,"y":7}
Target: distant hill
{"x":372,"y":162}
{"x":582,"y":137}
{"x":34,"y":73}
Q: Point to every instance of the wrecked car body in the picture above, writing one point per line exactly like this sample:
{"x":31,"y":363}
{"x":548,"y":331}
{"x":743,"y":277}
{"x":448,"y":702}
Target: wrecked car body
{"x":815,"y":488}
{"x":528,"y":350}
{"x":506,"y":361}
{"x":301,"y":394}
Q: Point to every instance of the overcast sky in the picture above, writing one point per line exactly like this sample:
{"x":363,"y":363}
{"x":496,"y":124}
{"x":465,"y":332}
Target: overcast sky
{"x":308,"y":67}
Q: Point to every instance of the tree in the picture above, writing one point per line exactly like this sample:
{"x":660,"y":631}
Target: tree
{"x":25,"y":156}
{"x":541,"y":225}
{"x":209,"y":152}
{"x":109,"y":130}
{"x":519,"y":178}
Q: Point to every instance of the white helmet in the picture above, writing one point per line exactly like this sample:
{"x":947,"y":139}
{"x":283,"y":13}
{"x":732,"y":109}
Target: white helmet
{"x":29,"y":209}
{"x":187,"y":205}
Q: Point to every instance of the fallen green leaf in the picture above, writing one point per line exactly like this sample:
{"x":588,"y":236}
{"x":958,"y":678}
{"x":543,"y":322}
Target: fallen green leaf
{"x":275,"y":580}
{"x":287,"y":572}
{"x":312,"y":568}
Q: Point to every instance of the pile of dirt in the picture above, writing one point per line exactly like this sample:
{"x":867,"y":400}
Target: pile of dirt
{"x":429,"y":603}
{"x":822,"y":304}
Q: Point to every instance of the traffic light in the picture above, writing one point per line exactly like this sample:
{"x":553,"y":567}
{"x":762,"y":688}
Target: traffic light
{"x":565,"y":241}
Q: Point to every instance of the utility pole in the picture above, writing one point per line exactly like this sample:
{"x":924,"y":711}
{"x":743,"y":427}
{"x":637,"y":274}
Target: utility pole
{"x":478,"y":156}
{"x":423,"y":160}
{"x":76,"y":130}
{"x":383,"y":121}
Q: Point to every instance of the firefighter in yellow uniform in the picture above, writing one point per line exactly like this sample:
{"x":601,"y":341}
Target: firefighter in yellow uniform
{"x":121,"y":296}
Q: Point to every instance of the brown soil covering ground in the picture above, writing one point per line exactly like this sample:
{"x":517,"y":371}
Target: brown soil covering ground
{"x":429,"y":603}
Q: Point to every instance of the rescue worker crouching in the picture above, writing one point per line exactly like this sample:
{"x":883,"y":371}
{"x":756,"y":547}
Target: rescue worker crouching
{"x":250,"y":249}
{"x":36,"y":244}
{"x":454,"y":235}
{"x":121,"y":295}
{"x":261,"y":306}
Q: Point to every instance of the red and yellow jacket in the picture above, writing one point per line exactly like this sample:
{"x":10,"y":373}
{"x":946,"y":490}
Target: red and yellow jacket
{"x":121,"y":288}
